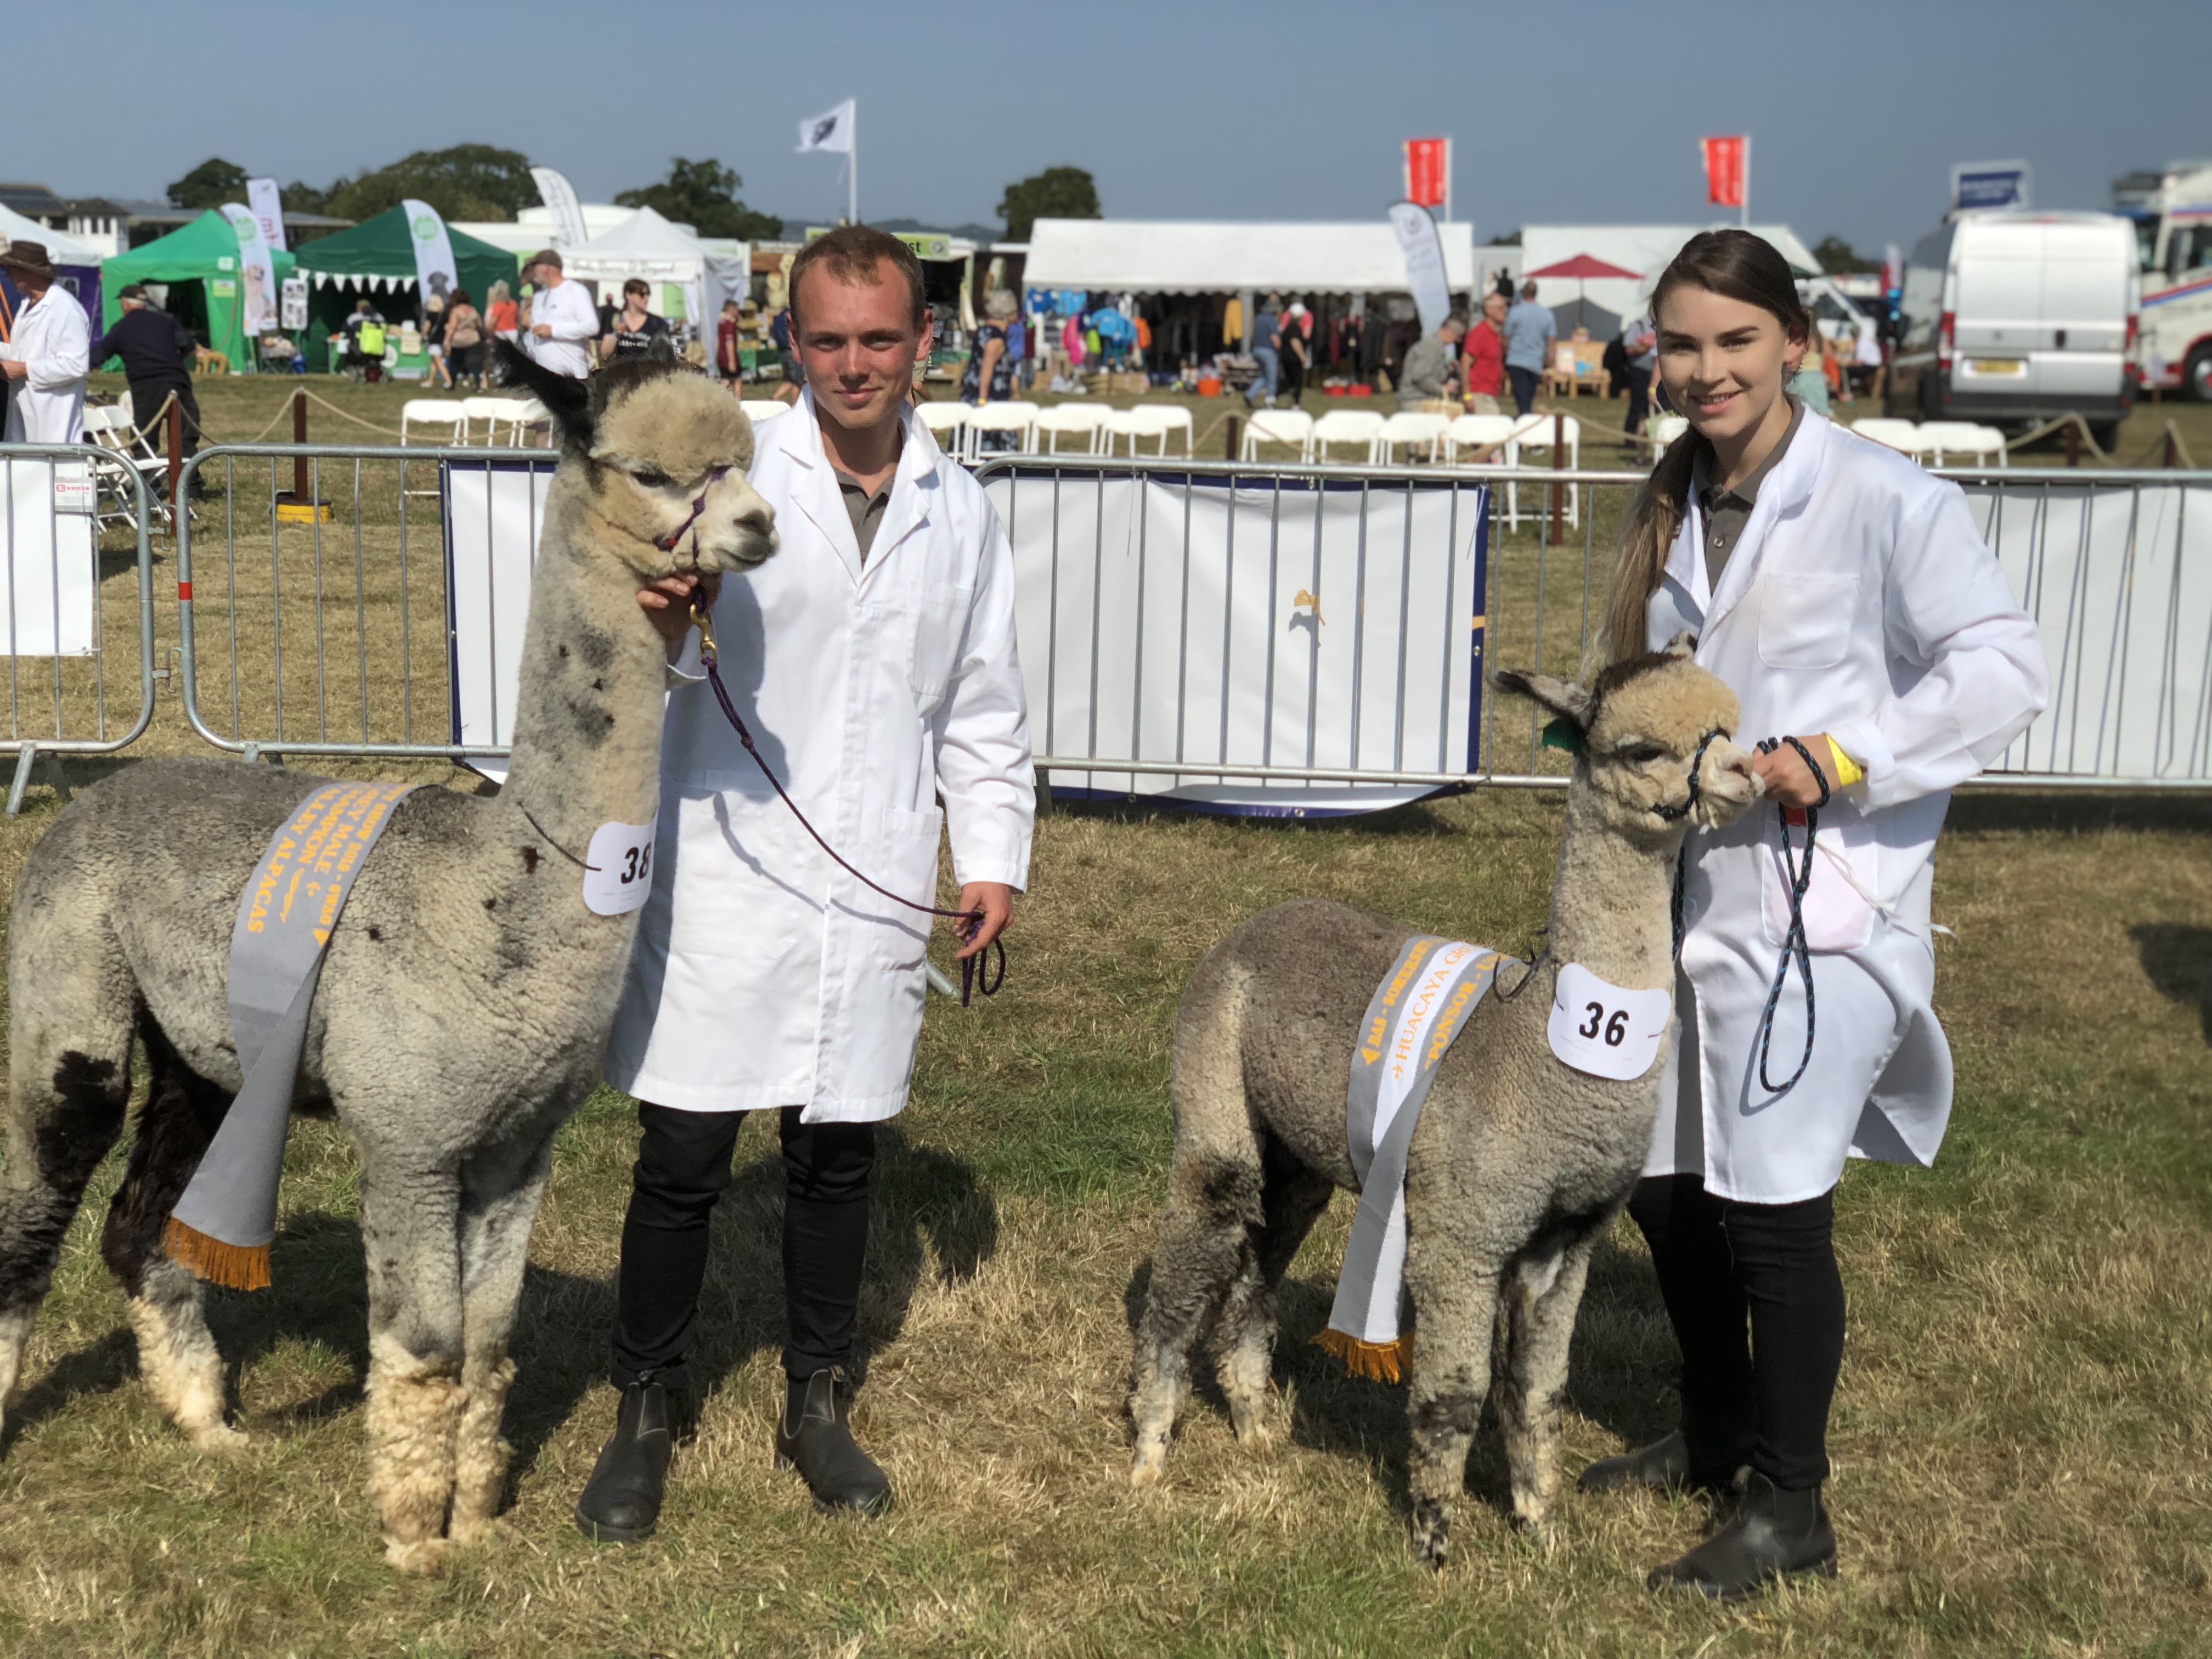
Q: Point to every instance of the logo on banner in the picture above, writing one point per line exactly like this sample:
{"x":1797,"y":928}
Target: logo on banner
{"x":1723,"y":159}
{"x":434,"y":250}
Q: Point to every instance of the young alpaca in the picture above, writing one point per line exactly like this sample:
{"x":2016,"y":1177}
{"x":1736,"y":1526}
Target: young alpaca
{"x":465,"y":997}
{"x":1518,"y":1161}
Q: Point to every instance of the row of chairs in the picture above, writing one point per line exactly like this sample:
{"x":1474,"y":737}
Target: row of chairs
{"x":1934,"y":442}
{"x":1035,"y":430}
{"x":503,"y":423}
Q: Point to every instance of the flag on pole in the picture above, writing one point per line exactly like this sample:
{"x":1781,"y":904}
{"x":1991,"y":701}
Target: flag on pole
{"x":1724,"y":160}
{"x":832,"y":131}
{"x":1424,"y":171}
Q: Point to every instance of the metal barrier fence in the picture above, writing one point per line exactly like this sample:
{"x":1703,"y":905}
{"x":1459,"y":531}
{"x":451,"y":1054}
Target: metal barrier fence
{"x":350,"y":623}
{"x":386,"y":623}
{"x":72,"y":519}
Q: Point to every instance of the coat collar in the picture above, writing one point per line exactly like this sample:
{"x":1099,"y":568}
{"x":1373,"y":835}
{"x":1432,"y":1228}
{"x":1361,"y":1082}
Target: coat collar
{"x":816,"y":492}
{"x":1784,"y":494}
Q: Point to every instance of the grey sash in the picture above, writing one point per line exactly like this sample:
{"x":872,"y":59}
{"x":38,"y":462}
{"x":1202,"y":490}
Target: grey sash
{"x":1430,"y":992}
{"x":223,"y":1226}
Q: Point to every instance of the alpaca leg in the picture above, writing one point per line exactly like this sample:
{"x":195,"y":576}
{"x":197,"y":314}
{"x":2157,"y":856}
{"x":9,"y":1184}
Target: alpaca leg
{"x":1203,"y":1246}
{"x":177,"y":1359}
{"x":1538,"y":1318}
{"x":499,"y":1203}
{"x":71,"y":1085}
{"x":416,"y":1399}
{"x":1292,"y":1200}
{"x":1451,"y":1376}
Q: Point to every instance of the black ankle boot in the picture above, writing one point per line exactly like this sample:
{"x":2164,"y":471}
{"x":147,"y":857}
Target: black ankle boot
{"x":621,"y":1503}
{"x":1662,"y":1465}
{"x":812,"y":1437}
{"x":1770,"y":1535}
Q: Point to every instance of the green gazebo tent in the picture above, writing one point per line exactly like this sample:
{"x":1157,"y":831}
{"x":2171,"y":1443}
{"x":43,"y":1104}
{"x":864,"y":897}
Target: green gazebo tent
{"x":377,"y":257}
{"x":206,"y":253}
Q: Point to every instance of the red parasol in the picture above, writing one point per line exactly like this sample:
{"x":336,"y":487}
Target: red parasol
{"x":1581,"y":268}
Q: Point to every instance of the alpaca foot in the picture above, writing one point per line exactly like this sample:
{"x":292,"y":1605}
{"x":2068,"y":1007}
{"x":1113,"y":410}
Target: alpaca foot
{"x":220,"y":1436}
{"x":471,"y":1532}
{"x":420,"y":1558}
{"x":1249,"y":1419}
{"x":181,"y":1369}
{"x":1151,"y":1461}
{"x":1431,"y":1534}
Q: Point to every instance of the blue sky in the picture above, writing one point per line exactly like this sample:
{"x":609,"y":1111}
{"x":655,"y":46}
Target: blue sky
{"x":1561,"y":113}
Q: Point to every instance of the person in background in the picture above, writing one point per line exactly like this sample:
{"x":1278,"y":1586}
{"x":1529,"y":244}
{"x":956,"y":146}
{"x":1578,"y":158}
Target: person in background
{"x":1482,"y":358}
{"x":562,"y":320}
{"x":1426,"y":373}
{"x":1297,"y":334}
{"x":47,"y":353}
{"x":990,"y":376}
{"x":1531,"y":330}
{"x":727,"y":364}
{"x":364,"y":332}
{"x":464,"y":339}
{"x":1640,"y":348}
{"x":1868,"y":367}
{"x":504,"y":316}
{"x":1807,"y":383}
{"x":607,"y":309}
{"x":434,"y":341}
{"x":156,"y":350}
{"x":1018,"y":343}
{"x":1266,"y":351}
{"x":794,"y":377}
{"x":633,"y":329}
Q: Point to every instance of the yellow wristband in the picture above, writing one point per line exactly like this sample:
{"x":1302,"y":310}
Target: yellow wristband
{"x":1848,"y":771}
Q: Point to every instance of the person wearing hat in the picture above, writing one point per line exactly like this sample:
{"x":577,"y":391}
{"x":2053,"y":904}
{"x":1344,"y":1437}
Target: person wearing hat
{"x":563,"y":322}
{"x":156,"y":350}
{"x":45,"y":357}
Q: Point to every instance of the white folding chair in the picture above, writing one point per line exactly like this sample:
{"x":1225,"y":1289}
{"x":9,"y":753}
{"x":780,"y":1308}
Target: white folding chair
{"x":1412,"y":429}
{"x":1963,"y":440}
{"x":1145,"y":421}
{"x":128,"y":450}
{"x":1178,"y":420}
{"x":532,"y":416}
{"x":1012,"y":415}
{"x":1490,"y":435}
{"x":1903,"y":436}
{"x":1082,"y":420}
{"x":446,"y":420}
{"x":1361,"y":427}
{"x":1537,"y":432}
{"x":947,"y":423}
{"x":1290,"y":427}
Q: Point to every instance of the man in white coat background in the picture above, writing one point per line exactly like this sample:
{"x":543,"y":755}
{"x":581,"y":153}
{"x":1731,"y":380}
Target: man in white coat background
{"x":45,"y":357}
{"x":873,"y":659}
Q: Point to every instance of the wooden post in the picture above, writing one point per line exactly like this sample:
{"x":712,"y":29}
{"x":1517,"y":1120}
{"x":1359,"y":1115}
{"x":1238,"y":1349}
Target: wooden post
{"x":176,"y":436}
{"x":300,"y":436}
{"x":2172,"y":456}
{"x":2073,"y":442}
{"x":1230,"y":447}
{"x":1559,"y":463}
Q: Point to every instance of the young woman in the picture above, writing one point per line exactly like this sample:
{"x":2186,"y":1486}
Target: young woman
{"x":464,"y":339}
{"x":631,"y":331}
{"x":1847,"y":597}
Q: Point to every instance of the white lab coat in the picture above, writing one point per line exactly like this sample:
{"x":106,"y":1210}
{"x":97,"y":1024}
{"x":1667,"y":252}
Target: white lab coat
{"x":567,"y":309}
{"x":53,"y":338}
{"x":1860,"y":601}
{"x":763,"y":975}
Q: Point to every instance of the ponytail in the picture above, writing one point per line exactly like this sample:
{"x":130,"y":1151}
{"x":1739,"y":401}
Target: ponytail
{"x":1741,"y":266}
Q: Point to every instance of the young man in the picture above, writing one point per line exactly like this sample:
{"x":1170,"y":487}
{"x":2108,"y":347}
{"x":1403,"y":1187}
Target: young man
{"x":873,"y":659}
{"x":562,"y":320}
{"x":46,"y":353}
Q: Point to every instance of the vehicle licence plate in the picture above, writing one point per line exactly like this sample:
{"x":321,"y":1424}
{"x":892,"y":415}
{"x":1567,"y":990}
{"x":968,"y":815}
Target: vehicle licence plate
{"x":1999,"y":365}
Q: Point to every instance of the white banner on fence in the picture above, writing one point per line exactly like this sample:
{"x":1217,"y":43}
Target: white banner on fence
{"x":1297,"y":626}
{"x":493,"y":514}
{"x":2119,"y":580}
{"x":49,"y":602}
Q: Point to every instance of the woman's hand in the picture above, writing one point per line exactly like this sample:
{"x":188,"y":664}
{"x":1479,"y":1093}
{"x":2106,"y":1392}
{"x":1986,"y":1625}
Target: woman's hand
{"x":996,"y":901}
{"x":668,"y":601}
{"x":1788,"y":780}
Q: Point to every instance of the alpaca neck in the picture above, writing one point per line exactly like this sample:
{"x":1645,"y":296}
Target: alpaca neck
{"x":586,"y":749}
{"x":1612,"y":899}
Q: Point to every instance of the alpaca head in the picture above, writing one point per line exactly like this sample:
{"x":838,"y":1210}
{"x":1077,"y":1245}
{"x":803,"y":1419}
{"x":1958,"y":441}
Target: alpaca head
{"x":664,"y":452}
{"x":1638,"y":728}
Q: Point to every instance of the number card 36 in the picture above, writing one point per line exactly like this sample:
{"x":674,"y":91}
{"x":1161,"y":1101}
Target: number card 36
{"x":1605,"y":1029}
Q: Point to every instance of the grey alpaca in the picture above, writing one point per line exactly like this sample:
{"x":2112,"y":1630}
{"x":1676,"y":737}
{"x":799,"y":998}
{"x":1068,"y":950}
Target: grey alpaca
{"x":465,"y":998}
{"x":1517,"y":1163}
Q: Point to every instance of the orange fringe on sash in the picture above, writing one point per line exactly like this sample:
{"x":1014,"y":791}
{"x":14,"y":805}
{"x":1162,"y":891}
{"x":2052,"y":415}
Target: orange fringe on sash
{"x":237,"y":1267}
{"x":1381,"y":1362}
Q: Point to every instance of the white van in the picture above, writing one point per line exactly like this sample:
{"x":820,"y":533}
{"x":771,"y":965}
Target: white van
{"x":2013,"y":317}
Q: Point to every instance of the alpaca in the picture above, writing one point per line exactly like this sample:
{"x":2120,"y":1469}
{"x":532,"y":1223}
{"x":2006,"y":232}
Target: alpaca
{"x":1517,"y":1162}
{"x":465,"y":996}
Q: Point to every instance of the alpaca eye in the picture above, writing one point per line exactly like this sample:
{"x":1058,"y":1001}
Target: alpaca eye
{"x":1641,"y":754}
{"x":650,"y":476}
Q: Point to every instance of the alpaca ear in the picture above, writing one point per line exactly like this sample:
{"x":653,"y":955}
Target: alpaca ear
{"x":1570,"y":702}
{"x":662,"y":350}
{"x":1684,"y":644}
{"x":567,"y":399}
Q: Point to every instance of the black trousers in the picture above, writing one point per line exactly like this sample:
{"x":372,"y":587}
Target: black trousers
{"x":148,"y":396}
{"x":1723,"y":1267}
{"x":1639,"y":381}
{"x":682,"y":1166}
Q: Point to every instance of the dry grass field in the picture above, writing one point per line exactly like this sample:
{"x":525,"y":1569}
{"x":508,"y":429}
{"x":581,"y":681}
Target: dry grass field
{"x":2022,"y":1439}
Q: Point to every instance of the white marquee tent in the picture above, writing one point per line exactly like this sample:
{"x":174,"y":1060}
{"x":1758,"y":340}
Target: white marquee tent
{"x":62,"y":248}
{"x":1159,"y":257}
{"x":648,"y":246}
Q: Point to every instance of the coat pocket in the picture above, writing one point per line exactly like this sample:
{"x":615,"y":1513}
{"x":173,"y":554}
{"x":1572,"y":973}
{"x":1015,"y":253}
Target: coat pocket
{"x":910,"y":842}
{"x":1806,"y":621}
{"x":1837,"y":914}
{"x":936,"y":626}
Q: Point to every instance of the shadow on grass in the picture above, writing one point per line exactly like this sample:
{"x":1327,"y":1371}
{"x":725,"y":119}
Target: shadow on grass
{"x":1620,"y":1375}
{"x":2176,"y":958}
{"x":2079,"y":812}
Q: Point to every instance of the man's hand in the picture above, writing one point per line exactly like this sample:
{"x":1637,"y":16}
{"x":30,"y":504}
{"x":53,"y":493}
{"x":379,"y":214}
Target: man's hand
{"x":996,"y":901}
{"x":1788,"y":780}
{"x":15,"y":371}
{"x":668,"y":600}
